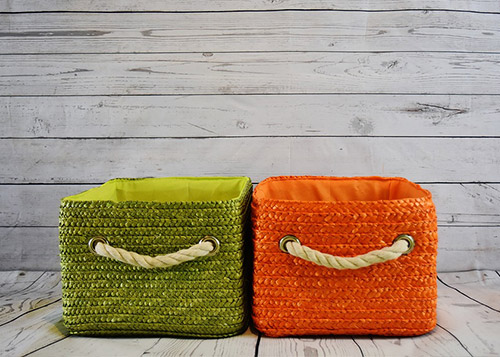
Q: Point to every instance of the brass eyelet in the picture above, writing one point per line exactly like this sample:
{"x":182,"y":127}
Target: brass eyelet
{"x":285,"y":240}
{"x":93,"y":242}
{"x":215,"y":242}
{"x":409,"y":239}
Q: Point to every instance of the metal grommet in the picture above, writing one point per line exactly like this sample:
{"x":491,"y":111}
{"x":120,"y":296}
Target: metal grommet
{"x":93,"y":242}
{"x":285,"y":240}
{"x":215,"y":242}
{"x":409,"y":239}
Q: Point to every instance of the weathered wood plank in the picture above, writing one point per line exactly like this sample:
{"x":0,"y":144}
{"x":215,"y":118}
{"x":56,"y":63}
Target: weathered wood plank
{"x":45,"y":290}
{"x":466,"y":204}
{"x":29,"y":248}
{"x":256,"y":31}
{"x":466,"y":248}
{"x":15,"y":281}
{"x":105,"y":347}
{"x":476,"y":284}
{"x":242,"y":345}
{"x":460,"y":248}
{"x":32,"y":331}
{"x":457,"y":204}
{"x":30,"y":311}
{"x":232,"y":5}
{"x":419,"y":159}
{"x":250,"y":73}
{"x":309,"y":346}
{"x":476,"y":326}
{"x":228,"y":115}
{"x":34,"y":205}
{"x":438,"y":342}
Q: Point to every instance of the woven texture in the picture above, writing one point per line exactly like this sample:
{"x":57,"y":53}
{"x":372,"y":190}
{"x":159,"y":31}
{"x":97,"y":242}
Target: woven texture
{"x":200,"y":298}
{"x":296,"y":297}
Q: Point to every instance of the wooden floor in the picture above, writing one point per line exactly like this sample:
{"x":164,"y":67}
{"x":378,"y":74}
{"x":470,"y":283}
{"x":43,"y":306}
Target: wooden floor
{"x":468,"y":325}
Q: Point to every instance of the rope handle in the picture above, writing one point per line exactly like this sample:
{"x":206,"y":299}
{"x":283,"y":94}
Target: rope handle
{"x":402,"y":245}
{"x":207,"y":246}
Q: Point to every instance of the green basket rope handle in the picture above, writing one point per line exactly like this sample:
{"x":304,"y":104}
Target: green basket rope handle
{"x":402,"y":245}
{"x":207,"y":246}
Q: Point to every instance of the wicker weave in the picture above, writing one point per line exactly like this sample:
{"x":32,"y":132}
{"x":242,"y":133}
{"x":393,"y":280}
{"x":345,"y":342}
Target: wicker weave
{"x":344,"y":217}
{"x":201,"y":298}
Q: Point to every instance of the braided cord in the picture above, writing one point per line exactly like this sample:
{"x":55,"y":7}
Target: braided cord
{"x":161,"y":261}
{"x":335,"y":262}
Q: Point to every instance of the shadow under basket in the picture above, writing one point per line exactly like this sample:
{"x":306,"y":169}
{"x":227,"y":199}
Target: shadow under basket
{"x":337,"y":255}
{"x":156,"y":256}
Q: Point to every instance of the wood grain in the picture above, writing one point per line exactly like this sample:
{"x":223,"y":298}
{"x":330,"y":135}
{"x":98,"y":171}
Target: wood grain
{"x":250,"y":73}
{"x":256,"y":115}
{"x":11,"y":281}
{"x":466,"y":204}
{"x":29,"y":248}
{"x":74,"y":160}
{"x":242,"y":31}
{"x":466,"y":248}
{"x":44,"y":290}
{"x":108,"y":347}
{"x":240,"y":5}
{"x":30,"y":313}
{"x":309,"y":346}
{"x":475,"y":285}
{"x":460,"y":248}
{"x":475,"y":325}
{"x":457,"y":204}
{"x":242,"y":346}
{"x":33,"y":331}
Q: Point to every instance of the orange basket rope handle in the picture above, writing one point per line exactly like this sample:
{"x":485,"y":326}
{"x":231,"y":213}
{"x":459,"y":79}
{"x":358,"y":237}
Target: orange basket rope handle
{"x":208,"y":246}
{"x":402,"y":245}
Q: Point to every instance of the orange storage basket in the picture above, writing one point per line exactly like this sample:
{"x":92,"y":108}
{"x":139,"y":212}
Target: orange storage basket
{"x":334,"y":255}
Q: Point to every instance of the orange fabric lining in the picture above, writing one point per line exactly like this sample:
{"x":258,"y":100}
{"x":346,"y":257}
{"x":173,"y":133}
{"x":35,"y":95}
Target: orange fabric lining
{"x":339,"y":189}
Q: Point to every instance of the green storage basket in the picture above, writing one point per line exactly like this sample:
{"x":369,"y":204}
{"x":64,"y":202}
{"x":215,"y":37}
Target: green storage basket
{"x":112,"y":285}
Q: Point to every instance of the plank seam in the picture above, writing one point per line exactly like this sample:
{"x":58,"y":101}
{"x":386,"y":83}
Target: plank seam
{"x":150,"y":348}
{"x":359,"y":347}
{"x":456,"y":338}
{"x":245,"y":137}
{"x":429,"y":10}
{"x":247,"y":94}
{"x":235,"y":52}
{"x":27,"y":312}
{"x":462,"y":225}
{"x":257,"y":345}
{"x":26,"y":288}
{"x":467,"y":296}
{"x":41,"y":348}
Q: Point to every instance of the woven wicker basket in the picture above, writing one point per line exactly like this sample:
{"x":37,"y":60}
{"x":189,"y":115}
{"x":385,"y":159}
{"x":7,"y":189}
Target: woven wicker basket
{"x":334,"y":256}
{"x":133,"y":219}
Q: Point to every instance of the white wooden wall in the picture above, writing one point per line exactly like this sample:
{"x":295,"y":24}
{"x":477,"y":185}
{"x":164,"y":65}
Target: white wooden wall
{"x":91,"y":90}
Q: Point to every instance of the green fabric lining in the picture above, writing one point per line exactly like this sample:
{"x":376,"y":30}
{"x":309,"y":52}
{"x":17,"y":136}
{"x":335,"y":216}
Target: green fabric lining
{"x":166,"y":189}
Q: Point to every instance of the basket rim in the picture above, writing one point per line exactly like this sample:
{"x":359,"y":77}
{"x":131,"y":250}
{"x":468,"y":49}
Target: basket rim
{"x":233,"y":202}
{"x":426,"y":198}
